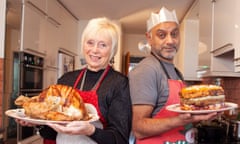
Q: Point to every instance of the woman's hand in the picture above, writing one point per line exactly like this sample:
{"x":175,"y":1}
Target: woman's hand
{"x":74,"y":128}
{"x":24,"y":123}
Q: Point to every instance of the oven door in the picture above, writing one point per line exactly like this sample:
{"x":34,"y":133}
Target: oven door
{"x":26,"y":133}
{"x":31,"y":78}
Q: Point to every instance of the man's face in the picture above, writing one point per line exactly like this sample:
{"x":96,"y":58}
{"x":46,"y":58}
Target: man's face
{"x":164,"y":40}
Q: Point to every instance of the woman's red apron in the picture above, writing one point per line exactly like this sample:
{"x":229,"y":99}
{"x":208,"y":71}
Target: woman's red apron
{"x":47,"y":141}
{"x":88,"y":97}
{"x":91,"y":96}
{"x":179,"y":135}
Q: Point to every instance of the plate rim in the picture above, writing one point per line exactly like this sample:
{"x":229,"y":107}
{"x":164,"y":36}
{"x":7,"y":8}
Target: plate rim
{"x":13,"y":114}
{"x":230,"y":105}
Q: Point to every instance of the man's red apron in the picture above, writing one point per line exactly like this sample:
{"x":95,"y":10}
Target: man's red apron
{"x":177,"y":135}
{"x":173,"y":135}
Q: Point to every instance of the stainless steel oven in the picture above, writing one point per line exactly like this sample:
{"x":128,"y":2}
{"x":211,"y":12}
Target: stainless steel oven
{"x":28,"y":81}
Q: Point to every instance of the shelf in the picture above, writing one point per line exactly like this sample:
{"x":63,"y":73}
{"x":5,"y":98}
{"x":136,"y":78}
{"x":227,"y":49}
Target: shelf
{"x":221,"y":74}
{"x":227,"y":48}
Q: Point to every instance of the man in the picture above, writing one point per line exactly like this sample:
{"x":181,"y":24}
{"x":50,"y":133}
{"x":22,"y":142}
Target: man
{"x":155,"y":84}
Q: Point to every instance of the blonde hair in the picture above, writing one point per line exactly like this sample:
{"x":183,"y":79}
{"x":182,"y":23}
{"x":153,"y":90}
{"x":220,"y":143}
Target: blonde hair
{"x":103,"y":26}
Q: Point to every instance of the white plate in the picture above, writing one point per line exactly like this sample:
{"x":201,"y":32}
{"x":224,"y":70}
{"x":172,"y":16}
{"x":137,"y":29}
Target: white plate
{"x":176,"y":108}
{"x":19,"y":114}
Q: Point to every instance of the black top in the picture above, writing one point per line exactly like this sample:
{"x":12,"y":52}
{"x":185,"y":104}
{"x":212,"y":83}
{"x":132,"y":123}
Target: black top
{"x":114,"y":102}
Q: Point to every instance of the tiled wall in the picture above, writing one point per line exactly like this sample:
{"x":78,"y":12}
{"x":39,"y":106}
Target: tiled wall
{"x":231,"y":86}
{"x":1,"y":89}
{"x":232,"y":89}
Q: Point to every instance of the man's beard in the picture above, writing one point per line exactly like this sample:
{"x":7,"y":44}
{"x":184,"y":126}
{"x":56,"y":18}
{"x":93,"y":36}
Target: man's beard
{"x":167,"y":56}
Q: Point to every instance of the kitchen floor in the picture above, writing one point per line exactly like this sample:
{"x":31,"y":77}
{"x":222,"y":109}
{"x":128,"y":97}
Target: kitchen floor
{"x":11,"y":141}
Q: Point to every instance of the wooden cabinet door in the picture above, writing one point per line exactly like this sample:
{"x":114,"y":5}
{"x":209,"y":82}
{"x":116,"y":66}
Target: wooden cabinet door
{"x":50,"y":76}
{"x":69,"y":32}
{"x":52,"y":47}
{"x":54,"y":10}
{"x":224,"y":23}
{"x":39,"y":4}
{"x":34,"y":29}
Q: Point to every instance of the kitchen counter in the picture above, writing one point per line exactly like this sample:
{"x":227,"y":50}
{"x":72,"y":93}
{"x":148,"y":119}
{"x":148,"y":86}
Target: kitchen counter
{"x":232,"y":142}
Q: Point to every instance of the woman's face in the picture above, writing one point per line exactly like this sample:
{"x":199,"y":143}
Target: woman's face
{"x":97,"y":51}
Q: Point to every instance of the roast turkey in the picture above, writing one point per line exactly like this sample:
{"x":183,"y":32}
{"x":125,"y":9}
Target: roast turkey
{"x":57,"y":102}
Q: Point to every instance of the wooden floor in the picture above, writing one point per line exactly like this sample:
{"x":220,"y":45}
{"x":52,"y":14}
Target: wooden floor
{"x":10,"y":141}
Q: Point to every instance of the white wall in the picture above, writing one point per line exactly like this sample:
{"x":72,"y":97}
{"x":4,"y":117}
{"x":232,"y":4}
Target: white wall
{"x":130,"y":43}
{"x":81,"y":26}
{"x":2,"y":26}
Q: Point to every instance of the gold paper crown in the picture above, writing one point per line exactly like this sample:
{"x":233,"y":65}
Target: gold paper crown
{"x":164,"y":15}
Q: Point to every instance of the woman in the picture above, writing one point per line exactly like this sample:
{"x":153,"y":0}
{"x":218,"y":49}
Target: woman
{"x":99,"y":84}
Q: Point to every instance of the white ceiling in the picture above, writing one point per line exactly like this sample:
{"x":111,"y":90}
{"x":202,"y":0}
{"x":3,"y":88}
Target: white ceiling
{"x":131,"y":13}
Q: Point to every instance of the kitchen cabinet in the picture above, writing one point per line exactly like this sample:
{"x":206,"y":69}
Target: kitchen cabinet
{"x":53,"y":12}
{"x":34,"y":29}
{"x":218,"y":37}
{"x":47,"y":28}
{"x":52,"y":40}
{"x":52,"y":47}
{"x":50,"y":76}
{"x":225,"y":60}
{"x":69,"y":32}
{"x":237,"y":37}
{"x":39,"y":4}
{"x":202,"y":35}
{"x":223,"y":23}
{"x":187,"y":58}
{"x":51,"y":63}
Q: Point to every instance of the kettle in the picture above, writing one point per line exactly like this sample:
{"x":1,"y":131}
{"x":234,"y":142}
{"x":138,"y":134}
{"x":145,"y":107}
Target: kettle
{"x":234,"y":130}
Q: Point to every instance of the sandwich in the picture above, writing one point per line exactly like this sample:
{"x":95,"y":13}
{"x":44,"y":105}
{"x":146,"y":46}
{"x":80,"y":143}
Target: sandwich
{"x":202,"y":97}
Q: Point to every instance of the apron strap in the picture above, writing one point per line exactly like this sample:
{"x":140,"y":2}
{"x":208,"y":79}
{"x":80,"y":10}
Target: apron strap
{"x":79,"y":77}
{"x":97,"y":85}
{"x":165,"y":70}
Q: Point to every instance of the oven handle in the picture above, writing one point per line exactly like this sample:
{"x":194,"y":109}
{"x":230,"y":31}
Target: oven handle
{"x":31,"y":66}
{"x":30,"y":90}
{"x":31,"y":94}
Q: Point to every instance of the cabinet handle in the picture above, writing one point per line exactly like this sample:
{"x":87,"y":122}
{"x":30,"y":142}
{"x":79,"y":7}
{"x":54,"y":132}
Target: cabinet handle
{"x":236,"y":59}
{"x":53,"y":21}
{"x":222,"y":50}
{"x":53,"y":68}
{"x":34,"y":6}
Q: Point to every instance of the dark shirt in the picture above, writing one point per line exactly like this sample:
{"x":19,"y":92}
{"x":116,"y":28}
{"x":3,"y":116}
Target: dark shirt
{"x":114,"y":102}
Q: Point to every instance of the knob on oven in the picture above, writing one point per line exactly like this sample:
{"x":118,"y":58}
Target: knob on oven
{"x":31,"y":60}
{"x":39,"y":61}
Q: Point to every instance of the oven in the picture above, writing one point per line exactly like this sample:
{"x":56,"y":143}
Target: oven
{"x":31,"y":74}
{"x":27,"y":81}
